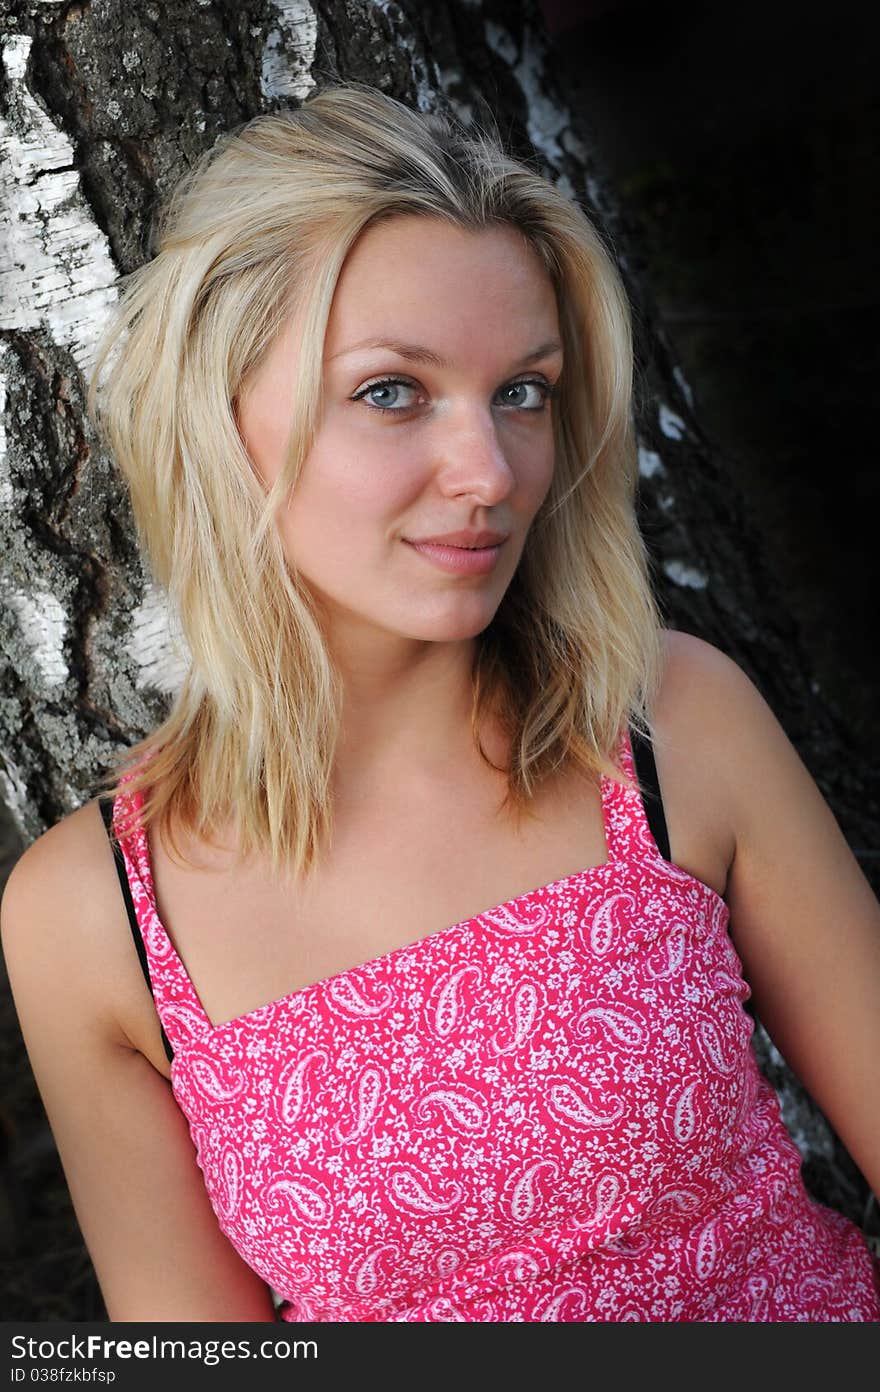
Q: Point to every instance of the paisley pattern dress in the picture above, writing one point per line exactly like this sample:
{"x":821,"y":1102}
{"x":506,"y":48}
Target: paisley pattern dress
{"x":548,"y":1112}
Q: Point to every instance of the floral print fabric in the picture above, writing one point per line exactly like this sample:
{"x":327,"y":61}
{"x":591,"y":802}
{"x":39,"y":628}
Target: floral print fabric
{"x":548,"y":1112}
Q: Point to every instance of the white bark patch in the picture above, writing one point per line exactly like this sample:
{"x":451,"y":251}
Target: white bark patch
{"x":501,"y":42}
{"x":594,"y":190}
{"x":650,"y":463}
{"x":426,"y":81}
{"x":684,"y":384}
{"x":575,"y":147}
{"x":290,"y":52}
{"x":545,"y":121}
{"x":673,"y":426}
{"x":42,"y":623}
{"x":15,"y":796}
{"x":56,"y":271}
{"x":450,"y":78}
{"x":687,"y":576}
{"x":157,"y":646}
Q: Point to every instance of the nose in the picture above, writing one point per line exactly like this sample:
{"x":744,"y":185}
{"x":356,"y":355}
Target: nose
{"x":471,"y":459}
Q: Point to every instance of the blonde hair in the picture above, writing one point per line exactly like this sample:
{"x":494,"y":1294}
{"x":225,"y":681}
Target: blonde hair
{"x":264,"y":222}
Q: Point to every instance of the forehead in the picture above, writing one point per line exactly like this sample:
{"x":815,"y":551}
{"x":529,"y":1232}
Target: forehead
{"x":423,"y":276}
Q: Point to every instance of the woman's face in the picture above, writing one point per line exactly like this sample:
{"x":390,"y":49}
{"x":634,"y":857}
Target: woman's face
{"x":440,"y":350}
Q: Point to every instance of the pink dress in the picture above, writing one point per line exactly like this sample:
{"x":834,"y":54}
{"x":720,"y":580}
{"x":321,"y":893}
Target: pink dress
{"x":550,"y":1111}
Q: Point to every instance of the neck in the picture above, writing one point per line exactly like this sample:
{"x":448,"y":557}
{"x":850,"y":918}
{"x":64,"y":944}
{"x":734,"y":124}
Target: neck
{"x":406,"y":711}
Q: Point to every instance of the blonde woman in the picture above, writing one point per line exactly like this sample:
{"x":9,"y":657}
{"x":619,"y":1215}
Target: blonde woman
{"x":443,"y":881}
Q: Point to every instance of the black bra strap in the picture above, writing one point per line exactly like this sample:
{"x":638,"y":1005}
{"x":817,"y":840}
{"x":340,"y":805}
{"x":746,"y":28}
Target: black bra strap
{"x":646,"y":770}
{"x":106,"y":807}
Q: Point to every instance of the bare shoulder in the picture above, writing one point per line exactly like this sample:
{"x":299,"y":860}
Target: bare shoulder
{"x":71,"y":846}
{"x":711,"y":708}
{"x":731,"y":778}
{"x":695,"y":674}
{"x":710,"y":712}
{"x":123,"y":1141}
{"x":702,"y":693}
{"x":63,"y":920}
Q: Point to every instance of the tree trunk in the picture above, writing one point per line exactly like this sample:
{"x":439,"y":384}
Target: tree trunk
{"x":103,"y":105}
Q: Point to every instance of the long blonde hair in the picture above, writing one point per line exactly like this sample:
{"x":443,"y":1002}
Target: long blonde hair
{"x":263,"y":223}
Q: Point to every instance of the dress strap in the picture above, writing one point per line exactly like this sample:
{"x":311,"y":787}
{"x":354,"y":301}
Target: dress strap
{"x":106,"y":806}
{"x":646,"y":770}
{"x":635,"y":823}
{"x":182,"y":1018}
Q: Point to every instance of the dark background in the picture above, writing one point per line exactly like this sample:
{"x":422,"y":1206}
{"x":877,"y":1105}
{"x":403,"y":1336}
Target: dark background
{"x":742,"y":142}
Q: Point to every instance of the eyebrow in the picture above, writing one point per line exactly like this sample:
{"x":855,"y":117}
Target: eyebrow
{"x":414,"y":352}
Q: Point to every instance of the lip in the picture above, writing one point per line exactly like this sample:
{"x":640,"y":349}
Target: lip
{"x":470,"y":540}
{"x":459,"y":560}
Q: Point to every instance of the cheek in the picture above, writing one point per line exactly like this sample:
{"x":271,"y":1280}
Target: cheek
{"x":346,"y":495}
{"x":263,"y":429}
{"x":537,"y":474}
{"x":361,"y":479}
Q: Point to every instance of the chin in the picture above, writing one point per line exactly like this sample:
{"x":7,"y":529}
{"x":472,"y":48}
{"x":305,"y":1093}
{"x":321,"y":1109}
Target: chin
{"x":455,"y":619}
{"x":454,"y":628}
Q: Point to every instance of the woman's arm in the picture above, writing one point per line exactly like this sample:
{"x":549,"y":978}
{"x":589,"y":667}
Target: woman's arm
{"x":803,"y":917}
{"x":128,"y":1157}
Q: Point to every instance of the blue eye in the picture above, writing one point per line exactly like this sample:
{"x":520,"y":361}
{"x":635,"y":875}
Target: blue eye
{"x":391,"y":388}
{"x":544,"y":389}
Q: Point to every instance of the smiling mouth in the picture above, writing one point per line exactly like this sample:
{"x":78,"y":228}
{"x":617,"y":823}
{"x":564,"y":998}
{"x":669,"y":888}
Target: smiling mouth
{"x":465,"y":539}
{"x":460,"y":560}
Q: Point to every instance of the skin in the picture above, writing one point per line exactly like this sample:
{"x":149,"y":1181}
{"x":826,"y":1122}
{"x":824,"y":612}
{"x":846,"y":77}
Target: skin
{"x":461,"y":447}
{"x":743,"y":813}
